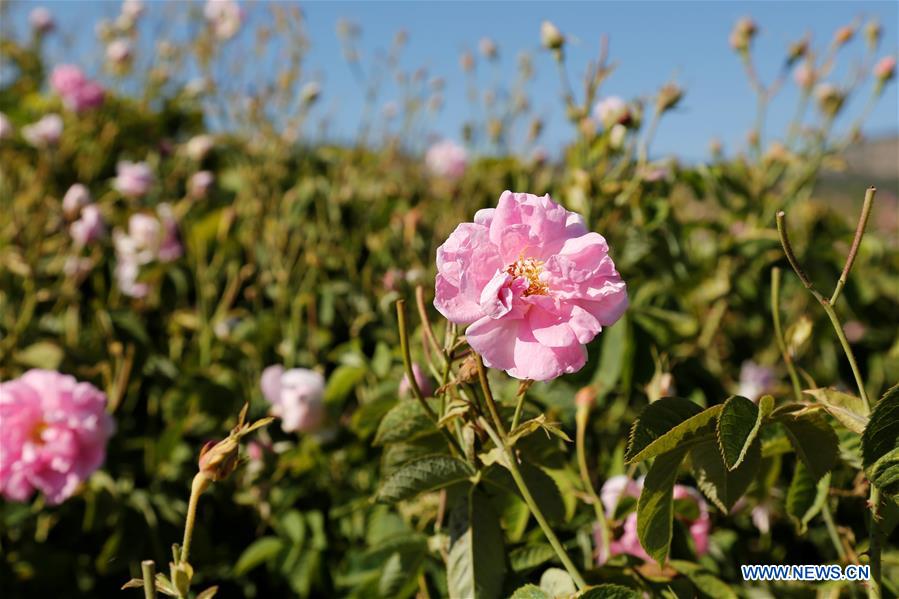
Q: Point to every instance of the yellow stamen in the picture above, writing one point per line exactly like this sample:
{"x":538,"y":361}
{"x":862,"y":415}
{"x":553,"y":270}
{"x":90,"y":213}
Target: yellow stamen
{"x":530,"y":269}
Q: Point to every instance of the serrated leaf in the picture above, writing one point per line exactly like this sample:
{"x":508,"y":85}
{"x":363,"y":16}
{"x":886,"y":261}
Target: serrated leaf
{"x":530,"y":556}
{"x":738,"y":424}
{"x":704,"y":581}
{"x":851,"y":411}
{"x":806,"y":496}
{"x":427,"y":473}
{"x":475,"y":566}
{"x":405,"y":421}
{"x":880,"y":442}
{"x":664,"y":424}
{"x":530,"y":591}
{"x":556,"y":582}
{"x":722,"y":486}
{"x":257,"y":553}
{"x":814,"y":440}
{"x":655,"y":508}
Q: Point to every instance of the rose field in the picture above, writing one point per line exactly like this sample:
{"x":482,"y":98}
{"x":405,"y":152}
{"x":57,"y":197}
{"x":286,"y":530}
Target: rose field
{"x":479,"y":333}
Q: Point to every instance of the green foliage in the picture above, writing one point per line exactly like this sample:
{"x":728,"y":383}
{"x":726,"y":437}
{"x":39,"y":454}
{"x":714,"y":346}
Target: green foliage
{"x":665,"y":425}
{"x":475,"y":566}
{"x":880,"y":443}
{"x":813,"y":439}
{"x":723,"y":485}
{"x":738,"y":424}
{"x":655,"y":509}
{"x":851,"y":411}
{"x":427,"y":473}
{"x":806,"y":495}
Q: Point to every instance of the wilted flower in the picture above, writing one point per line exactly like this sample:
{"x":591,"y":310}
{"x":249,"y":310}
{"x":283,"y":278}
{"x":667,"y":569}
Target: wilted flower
{"x":133,"y":179}
{"x":224,"y":16}
{"x":200,"y":183}
{"x":805,"y":76}
{"x":297,"y":397}
{"x":6,"y":127}
{"x":885,"y":69}
{"x":89,"y":227}
{"x":78,"y":92}
{"x":619,"y":487}
{"x":310,"y":92}
{"x":199,"y":146}
{"x":447,"y":159}
{"x":830,"y":98}
{"x":755,"y":380}
{"x":533,"y":284}
{"x":487,"y":48}
{"x":41,"y":20}
{"x":45,"y":132}
{"x":118,"y":52}
{"x":743,"y":32}
{"x":421,"y":379}
{"x":53,"y":434}
{"x":550,"y":36}
{"x":77,"y":197}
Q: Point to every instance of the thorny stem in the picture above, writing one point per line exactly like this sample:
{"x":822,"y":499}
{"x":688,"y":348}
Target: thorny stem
{"x":874,"y":588}
{"x":779,"y":335}
{"x":199,"y":484}
{"x":148,"y":570}
{"x":510,"y":462}
{"x":410,"y":376}
{"x":583,"y":413}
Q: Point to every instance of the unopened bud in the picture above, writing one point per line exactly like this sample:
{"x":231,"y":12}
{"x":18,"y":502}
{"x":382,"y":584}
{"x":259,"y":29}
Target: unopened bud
{"x":219,"y":459}
{"x":885,"y":69}
{"x":466,"y":61}
{"x":668,"y":97}
{"x":487,"y":48}
{"x":798,"y":50}
{"x":585,"y":397}
{"x":830,"y":99}
{"x":741,"y":35}
{"x":551,"y":37}
{"x":843,"y":35}
{"x":873,"y":33}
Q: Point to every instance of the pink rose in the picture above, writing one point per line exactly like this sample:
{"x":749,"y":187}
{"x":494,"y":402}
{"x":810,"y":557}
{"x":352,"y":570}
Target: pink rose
{"x":77,"y":197}
{"x":89,"y":227}
{"x":45,"y":132}
{"x":41,"y":20}
{"x":421,"y":379}
{"x":78,"y":92}
{"x":619,"y":487}
{"x":118,"y":52}
{"x":533,"y":284}
{"x":53,"y":434}
{"x":224,"y":17}
{"x":297,"y":397}
{"x":200,"y":183}
{"x":149,"y":238}
{"x":133,"y":179}
{"x":447,"y":159}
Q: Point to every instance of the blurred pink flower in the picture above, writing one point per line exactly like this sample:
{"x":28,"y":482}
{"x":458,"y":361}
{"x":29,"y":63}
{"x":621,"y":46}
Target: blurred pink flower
{"x":297,"y":397}
{"x":77,"y":197}
{"x":619,"y":487}
{"x":6,"y":127}
{"x":149,"y":238}
{"x":611,"y":111}
{"x":532,"y":282}
{"x":132,"y":9}
{"x":78,"y":92}
{"x":885,"y":69}
{"x":200,"y":183}
{"x":447,"y":159}
{"x":118,"y":52}
{"x":89,"y":227}
{"x":198,"y":146}
{"x":133,"y":179}
{"x":45,"y":132}
{"x":804,"y":76}
{"x":422,"y":379}
{"x":53,"y":434}
{"x":41,"y":20}
{"x":755,"y":380}
{"x":224,"y":16}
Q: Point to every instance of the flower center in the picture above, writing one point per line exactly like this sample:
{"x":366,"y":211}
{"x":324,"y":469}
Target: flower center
{"x":37,"y":432}
{"x":529,"y":269}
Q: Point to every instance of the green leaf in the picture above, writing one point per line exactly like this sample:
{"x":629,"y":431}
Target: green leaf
{"x":43,"y":354}
{"x":542,"y":486}
{"x":738,"y":424}
{"x":530,"y":556}
{"x":655,"y":508}
{"x":721,"y":485}
{"x":880,"y":443}
{"x":557,"y":583}
{"x":475,"y":566}
{"x":608,"y":591}
{"x":400,"y":569}
{"x":814,"y":440}
{"x":342,"y":381}
{"x":612,"y":356}
{"x":666,"y":423}
{"x":851,"y":411}
{"x":805,"y":496}
{"x":405,"y":421}
{"x":257,"y":553}
{"x":530,"y":591}
{"x":704,"y":581}
{"x":428,"y":473}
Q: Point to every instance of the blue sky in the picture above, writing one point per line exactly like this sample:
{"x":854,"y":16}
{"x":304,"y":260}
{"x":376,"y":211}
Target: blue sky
{"x":651,"y":42}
